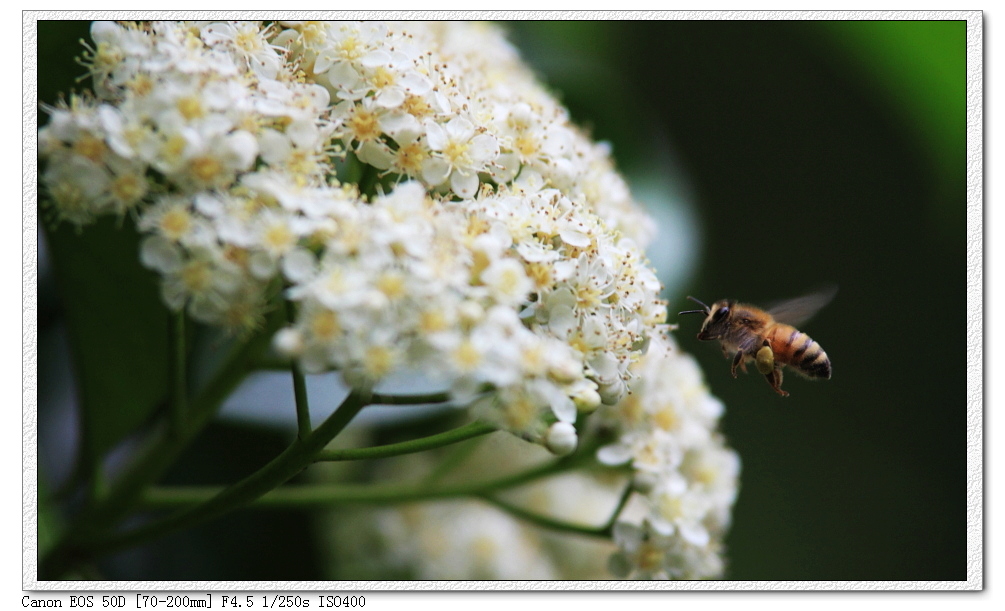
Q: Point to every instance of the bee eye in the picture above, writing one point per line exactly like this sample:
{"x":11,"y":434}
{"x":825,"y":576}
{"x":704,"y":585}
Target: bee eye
{"x":720,"y":313}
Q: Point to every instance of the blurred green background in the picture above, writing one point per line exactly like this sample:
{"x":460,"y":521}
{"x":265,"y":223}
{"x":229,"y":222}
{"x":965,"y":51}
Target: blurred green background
{"x":804,"y":153}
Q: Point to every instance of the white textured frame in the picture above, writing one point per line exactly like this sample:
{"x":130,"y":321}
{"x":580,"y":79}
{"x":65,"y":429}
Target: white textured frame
{"x":975,"y":328}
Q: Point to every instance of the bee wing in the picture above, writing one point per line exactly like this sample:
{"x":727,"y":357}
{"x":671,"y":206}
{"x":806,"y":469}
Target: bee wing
{"x":797,"y":311}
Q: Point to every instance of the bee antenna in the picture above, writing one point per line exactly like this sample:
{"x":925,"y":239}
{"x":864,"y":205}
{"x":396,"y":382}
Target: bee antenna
{"x":705,"y":309}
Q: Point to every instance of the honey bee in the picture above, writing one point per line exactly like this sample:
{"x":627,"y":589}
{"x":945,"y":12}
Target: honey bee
{"x":767,"y":337}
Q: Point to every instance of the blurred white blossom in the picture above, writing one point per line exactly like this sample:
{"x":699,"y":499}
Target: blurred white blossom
{"x":461,"y":539}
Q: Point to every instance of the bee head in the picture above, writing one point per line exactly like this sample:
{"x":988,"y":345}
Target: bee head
{"x":716,"y":318}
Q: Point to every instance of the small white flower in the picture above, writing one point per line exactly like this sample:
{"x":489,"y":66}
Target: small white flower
{"x":246,"y":40}
{"x":507,"y":282}
{"x":461,"y":153}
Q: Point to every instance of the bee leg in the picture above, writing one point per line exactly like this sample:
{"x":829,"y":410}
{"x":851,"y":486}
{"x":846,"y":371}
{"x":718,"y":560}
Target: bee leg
{"x":775,"y":379}
{"x":738,"y":362}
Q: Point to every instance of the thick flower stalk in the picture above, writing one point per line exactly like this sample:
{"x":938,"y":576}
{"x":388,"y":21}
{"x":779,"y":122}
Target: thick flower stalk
{"x":427,"y":207}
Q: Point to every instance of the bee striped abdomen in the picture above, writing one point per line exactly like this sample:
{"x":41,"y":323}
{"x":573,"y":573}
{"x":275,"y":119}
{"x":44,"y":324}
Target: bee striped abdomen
{"x":796,"y":349}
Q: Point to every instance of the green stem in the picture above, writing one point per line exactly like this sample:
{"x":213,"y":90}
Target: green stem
{"x":547,"y":522}
{"x":625,"y":495}
{"x":474,"y":429}
{"x":421,"y":399}
{"x":328,"y":495}
{"x":274,"y":474}
{"x":162,"y":453}
{"x":179,"y":384}
{"x":606,"y":530}
{"x":299,"y":385}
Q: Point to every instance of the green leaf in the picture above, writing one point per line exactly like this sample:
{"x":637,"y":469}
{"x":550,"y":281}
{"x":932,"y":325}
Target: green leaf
{"x":118,"y":329}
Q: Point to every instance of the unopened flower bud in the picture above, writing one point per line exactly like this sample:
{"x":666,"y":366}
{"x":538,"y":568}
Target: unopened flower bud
{"x":611,"y":393}
{"x":565,"y":372}
{"x":288,"y":342}
{"x":586,"y":397}
{"x":561,"y":438}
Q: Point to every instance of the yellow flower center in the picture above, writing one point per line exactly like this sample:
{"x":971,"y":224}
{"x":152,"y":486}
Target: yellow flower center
{"x":666,"y":417}
{"x":533,"y":359}
{"x":173,"y":148}
{"x":466,"y":356}
{"x":410,"y":158}
{"x":649,"y":557}
{"x":509,"y":281}
{"x":247,"y":40}
{"x":671,"y":507}
{"x":540,"y":274}
{"x":382,"y":77}
{"x":631,"y":409}
{"x":196,"y":276}
{"x":477,"y":225}
{"x":190,"y":107}
{"x":417,"y":106}
{"x":349,"y":48}
{"x":479,"y":262}
{"x":141,"y":85}
{"x":91,"y":147}
{"x":236,"y":255}
{"x":207,"y":169}
{"x":456,"y":153}
{"x":432,"y":321}
{"x":704,"y":474}
{"x":175,"y":223}
{"x":278,"y":238}
{"x":587,"y":296}
{"x":520,"y":413}
{"x":378,"y":361}
{"x":325,"y":325}
{"x":578,"y":342}
{"x":128,"y":189}
{"x":392,"y":284}
{"x":527,"y":146}
{"x":363,"y":125}
{"x":313,"y":33}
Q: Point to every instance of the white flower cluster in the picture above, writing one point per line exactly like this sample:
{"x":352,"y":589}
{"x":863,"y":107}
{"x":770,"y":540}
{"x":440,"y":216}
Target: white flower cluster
{"x":500,"y":250}
{"x":469,"y":540}
{"x":205,"y":135}
{"x":429,"y":207}
{"x":686,"y":476}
